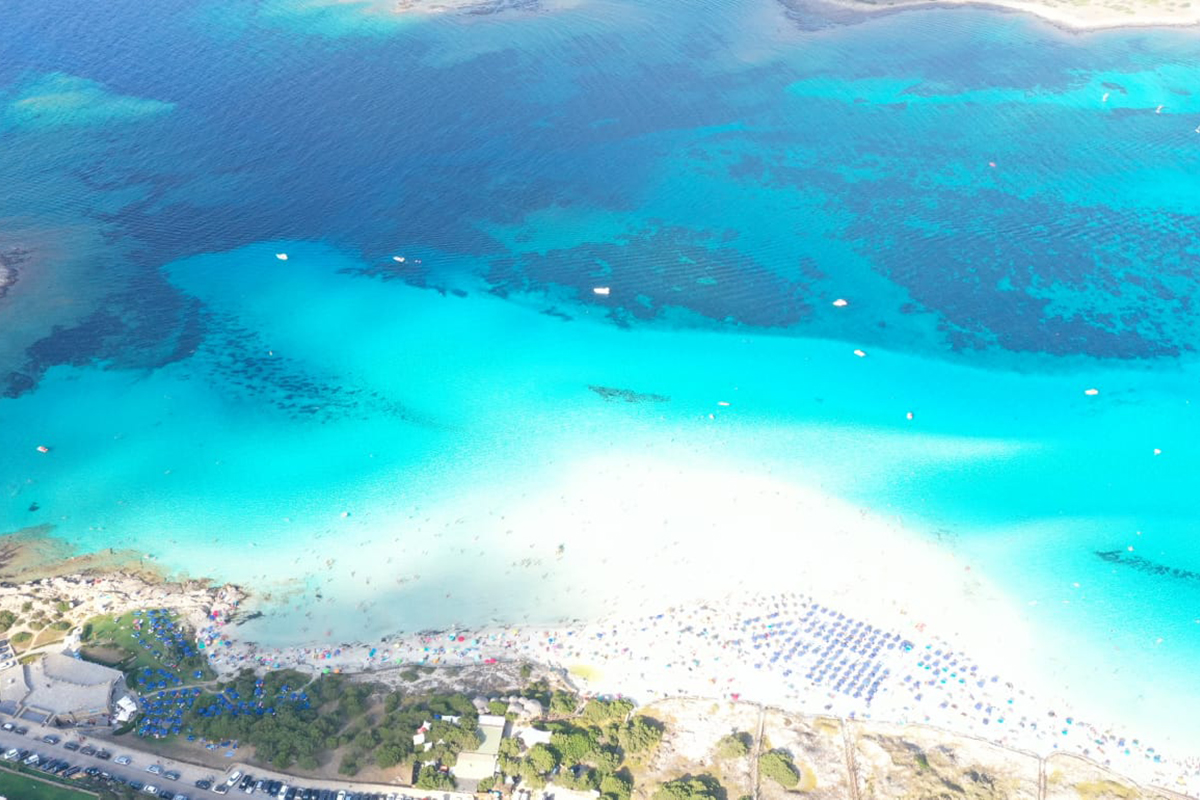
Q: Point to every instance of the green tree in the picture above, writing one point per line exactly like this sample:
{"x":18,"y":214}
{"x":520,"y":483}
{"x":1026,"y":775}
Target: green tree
{"x":563,"y":703}
{"x":640,"y":734}
{"x":600,"y":711}
{"x":777,"y":765}
{"x":349,"y":765}
{"x":689,"y":787}
{"x":615,"y":786}
{"x":486,"y":784}
{"x":607,"y":759}
{"x":735,"y":745}
{"x":510,"y":747}
{"x":7,"y":618}
{"x":526,"y":671}
{"x":430,"y":777}
{"x":307,"y":761}
{"x":576,"y":746}
{"x":542,"y":759}
{"x":498,"y":707}
{"x":388,"y":756}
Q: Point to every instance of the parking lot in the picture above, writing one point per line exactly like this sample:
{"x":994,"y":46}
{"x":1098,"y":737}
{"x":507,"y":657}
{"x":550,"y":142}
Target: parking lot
{"x":67,"y":755}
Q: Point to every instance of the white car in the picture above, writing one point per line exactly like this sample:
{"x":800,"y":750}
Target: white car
{"x":154,"y":769}
{"x":283,"y":790}
{"x":11,"y":754}
{"x":150,"y":789}
{"x":341,"y":795}
{"x":123,"y":760}
{"x":234,"y":778}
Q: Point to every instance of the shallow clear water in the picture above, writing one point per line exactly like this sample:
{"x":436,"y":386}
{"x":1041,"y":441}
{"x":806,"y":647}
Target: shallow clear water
{"x":728,"y":169}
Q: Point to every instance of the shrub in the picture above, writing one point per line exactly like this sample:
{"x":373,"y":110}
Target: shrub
{"x":777,"y":765}
{"x":733,"y":746}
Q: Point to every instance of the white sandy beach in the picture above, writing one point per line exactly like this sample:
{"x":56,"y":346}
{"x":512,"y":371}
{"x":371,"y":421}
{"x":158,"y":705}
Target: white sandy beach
{"x":771,"y":551}
{"x":1082,"y":16}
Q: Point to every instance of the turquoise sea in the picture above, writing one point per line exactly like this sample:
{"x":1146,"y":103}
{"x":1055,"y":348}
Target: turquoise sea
{"x":1010,"y":216}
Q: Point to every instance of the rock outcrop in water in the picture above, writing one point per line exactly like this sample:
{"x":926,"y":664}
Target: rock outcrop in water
{"x":1145,"y":565}
{"x":628,"y":395}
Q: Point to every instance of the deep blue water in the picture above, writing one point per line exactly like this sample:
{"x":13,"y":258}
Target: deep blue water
{"x":728,"y":169}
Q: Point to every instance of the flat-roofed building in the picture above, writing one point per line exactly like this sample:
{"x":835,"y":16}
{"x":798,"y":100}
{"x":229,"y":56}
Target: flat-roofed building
{"x":61,"y":690}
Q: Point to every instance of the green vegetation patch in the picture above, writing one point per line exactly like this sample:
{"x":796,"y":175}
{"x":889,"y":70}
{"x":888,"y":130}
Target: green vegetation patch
{"x":691,"y":787}
{"x":735,"y":745}
{"x":111,"y":640}
{"x":779,"y":767}
{"x":14,"y":785}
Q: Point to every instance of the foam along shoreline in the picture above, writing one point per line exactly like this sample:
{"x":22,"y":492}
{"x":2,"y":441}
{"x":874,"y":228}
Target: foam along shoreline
{"x":1091,"y":16}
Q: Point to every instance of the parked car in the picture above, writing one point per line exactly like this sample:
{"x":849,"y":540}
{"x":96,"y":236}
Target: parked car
{"x":154,"y":769}
{"x":31,"y":760}
{"x":221,"y":788}
{"x":234,"y":777}
{"x":203,"y":784}
{"x":124,"y":760}
{"x":72,"y":772}
{"x":50,"y":738}
{"x":136,"y":785}
{"x":150,"y":789}
{"x":72,"y":746}
{"x":171,"y":775}
{"x":87,"y":751}
{"x":103,"y":755}
{"x":11,"y":754}
{"x":8,"y":726}
{"x":21,"y":730}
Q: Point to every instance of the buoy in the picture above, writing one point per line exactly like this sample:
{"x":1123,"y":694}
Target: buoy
{"x":840,"y":303}
{"x":1091,"y":392}
{"x":41,"y":448}
{"x":909,"y":415}
{"x":860,"y":353}
{"x":601,"y":290}
{"x":1159,"y":109}
{"x":722,"y":402}
{"x":345,"y":514}
{"x":398,"y":259}
{"x":992,"y":164}
{"x":281,"y":256}
{"x":1105,"y":98}
{"x":1157,"y":452}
